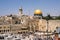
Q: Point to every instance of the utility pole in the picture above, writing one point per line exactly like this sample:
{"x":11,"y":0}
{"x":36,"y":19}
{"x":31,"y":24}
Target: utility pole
{"x":47,"y":30}
{"x":47,"y":19}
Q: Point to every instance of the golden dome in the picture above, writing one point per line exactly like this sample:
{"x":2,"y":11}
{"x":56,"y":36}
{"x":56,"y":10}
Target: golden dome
{"x":37,"y":12}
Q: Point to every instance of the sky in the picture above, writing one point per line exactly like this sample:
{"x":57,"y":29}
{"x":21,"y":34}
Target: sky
{"x":51,"y":7}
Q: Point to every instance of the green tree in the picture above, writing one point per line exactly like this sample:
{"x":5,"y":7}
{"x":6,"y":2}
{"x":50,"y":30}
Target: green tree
{"x":57,"y":18}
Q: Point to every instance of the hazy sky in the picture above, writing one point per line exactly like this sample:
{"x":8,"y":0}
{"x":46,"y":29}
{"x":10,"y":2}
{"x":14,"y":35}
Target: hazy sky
{"x":47,"y":6}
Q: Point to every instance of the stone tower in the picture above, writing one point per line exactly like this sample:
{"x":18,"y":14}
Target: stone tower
{"x":20,"y":11}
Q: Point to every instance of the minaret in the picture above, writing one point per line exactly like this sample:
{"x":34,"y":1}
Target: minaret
{"x":20,"y":11}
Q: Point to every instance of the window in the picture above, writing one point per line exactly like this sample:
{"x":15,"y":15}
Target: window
{"x":8,"y":27}
{"x":0,"y":27}
{"x":16,"y":22}
{"x":24,"y":28}
{"x":8,"y":30}
{"x":4,"y":30}
{"x":56,"y":27}
{"x":4,"y":27}
{"x":0,"y":30}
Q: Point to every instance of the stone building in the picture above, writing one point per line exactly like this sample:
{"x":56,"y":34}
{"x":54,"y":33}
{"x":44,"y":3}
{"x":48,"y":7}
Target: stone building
{"x":4,"y":29}
{"x":25,"y":23}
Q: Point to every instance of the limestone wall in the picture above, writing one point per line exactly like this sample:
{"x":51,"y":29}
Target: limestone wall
{"x":52,"y":24}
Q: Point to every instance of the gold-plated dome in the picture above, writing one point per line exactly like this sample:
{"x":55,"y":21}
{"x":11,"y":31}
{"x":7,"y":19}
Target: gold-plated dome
{"x":37,"y":12}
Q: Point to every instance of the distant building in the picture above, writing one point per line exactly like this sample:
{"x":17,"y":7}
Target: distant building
{"x":4,"y":29}
{"x":24,"y":23}
{"x":38,"y":14}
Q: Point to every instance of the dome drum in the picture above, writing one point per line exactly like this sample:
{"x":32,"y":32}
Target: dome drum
{"x":37,"y":14}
